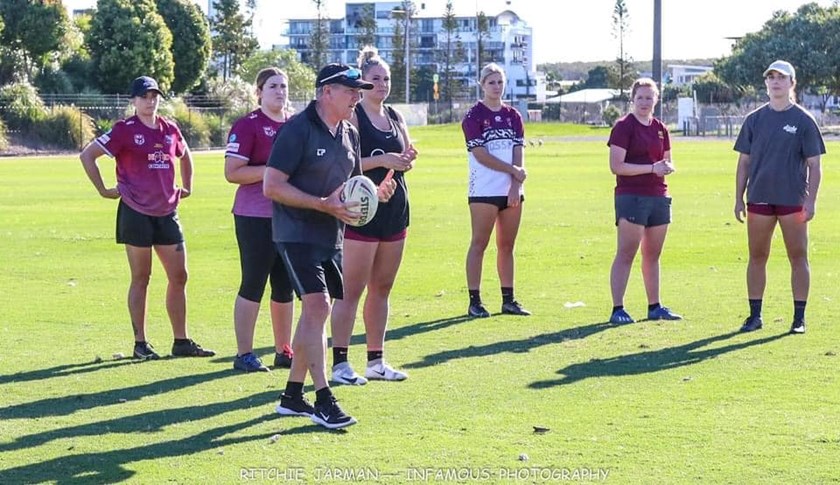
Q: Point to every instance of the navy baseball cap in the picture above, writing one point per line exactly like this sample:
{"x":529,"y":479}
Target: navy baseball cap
{"x":144,"y":84}
{"x":341,"y":74}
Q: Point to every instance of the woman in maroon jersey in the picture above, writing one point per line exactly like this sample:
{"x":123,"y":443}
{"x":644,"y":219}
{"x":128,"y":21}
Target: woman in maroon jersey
{"x":640,"y":157}
{"x":146,"y":147}
{"x":248,"y":148}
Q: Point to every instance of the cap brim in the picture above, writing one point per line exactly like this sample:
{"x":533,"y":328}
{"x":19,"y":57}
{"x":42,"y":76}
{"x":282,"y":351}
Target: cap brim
{"x":146,"y":91}
{"x":355,"y":83}
{"x":768,"y":71}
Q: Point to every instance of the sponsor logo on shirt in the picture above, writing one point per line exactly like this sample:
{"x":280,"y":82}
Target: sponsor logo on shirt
{"x":104,"y":139}
{"x":350,"y":156}
{"x":233,"y":147}
{"x":661,"y":135}
{"x":159,"y":161}
{"x":320,"y":152}
{"x":269,"y":131}
{"x":790,"y":129}
{"x":252,"y":116}
{"x":168,"y":139}
{"x":139,"y":139}
{"x":498,"y":119}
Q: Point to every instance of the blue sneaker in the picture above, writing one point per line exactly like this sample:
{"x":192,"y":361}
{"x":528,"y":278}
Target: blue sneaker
{"x":249,"y":363}
{"x":621,"y":317}
{"x":662,"y":313}
{"x":751,"y":324}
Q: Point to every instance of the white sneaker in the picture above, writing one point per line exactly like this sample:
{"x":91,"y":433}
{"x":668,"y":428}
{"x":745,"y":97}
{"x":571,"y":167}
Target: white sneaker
{"x":385,"y":372}
{"x":344,"y":374}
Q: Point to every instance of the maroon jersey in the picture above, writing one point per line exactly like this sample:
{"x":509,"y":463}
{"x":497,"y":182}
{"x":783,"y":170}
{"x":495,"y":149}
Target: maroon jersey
{"x":645,"y":145}
{"x":251,"y":139}
{"x":499,"y":132}
{"x":146,"y":160}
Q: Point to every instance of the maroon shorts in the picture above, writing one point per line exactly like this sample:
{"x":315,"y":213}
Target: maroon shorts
{"x":349,"y":233}
{"x":773,"y":209}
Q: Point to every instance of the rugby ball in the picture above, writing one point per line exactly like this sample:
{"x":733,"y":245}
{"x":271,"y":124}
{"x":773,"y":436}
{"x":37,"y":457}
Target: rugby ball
{"x":362,"y":190}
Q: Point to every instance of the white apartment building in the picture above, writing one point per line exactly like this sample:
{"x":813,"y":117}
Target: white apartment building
{"x":509,"y":42}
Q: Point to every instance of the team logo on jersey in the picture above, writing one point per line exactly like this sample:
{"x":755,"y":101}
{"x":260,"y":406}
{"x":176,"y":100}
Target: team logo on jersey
{"x":158,"y":161}
{"x":790,"y":129}
{"x":486,"y":123}
{"x":269,"y":131}
{"x":168,"y":139}
{"x":661,"y":135}
{"x":139,"y":139}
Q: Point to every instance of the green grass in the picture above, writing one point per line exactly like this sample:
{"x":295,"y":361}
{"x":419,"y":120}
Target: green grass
{"x":690,"y":401}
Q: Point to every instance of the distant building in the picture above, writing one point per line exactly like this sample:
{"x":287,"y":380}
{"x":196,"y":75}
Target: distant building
{"x":681,"y":75}
{"x":509,"y":43}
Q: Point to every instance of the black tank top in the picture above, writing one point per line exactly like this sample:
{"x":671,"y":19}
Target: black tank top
{"x":391,"y":217}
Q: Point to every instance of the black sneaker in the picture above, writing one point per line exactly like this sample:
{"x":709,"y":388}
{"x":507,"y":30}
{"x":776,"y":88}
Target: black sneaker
{"x":294,"y":406}
{"x":751,"y":323}
{"x":330,"y":415}
{"x":190,"y":349}
{"x":478,"y":311}
{"x":145,"y":351}
{"x":283,"y":360}
{"x":514,"y":308}
{"x":797,"y":327}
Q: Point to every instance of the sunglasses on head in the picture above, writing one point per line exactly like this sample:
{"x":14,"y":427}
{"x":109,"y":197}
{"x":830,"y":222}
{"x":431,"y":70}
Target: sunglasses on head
{"x":351,"y":74}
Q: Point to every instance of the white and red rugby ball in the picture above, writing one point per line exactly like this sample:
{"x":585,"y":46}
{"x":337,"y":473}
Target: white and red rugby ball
{"x":362,"y":190}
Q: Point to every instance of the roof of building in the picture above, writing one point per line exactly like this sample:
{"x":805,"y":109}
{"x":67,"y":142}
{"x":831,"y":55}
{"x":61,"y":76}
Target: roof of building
{"x":595,"y":95}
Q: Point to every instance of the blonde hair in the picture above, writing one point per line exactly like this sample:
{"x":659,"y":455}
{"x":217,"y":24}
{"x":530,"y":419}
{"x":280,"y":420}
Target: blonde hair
{"x":369,"y":57}
{"x":489,"y":69}
{"x":644,"y":82}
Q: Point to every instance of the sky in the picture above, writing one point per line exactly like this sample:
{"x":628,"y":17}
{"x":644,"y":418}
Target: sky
{"x":580,"y":30}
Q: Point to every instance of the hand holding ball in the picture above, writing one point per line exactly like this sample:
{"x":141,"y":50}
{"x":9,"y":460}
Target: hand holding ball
{"x":361,"y":190}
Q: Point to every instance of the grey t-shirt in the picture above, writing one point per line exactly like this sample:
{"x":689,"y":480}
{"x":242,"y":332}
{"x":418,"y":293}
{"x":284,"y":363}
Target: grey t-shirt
{"x":317,"y":163}
{"x":778,"y":142}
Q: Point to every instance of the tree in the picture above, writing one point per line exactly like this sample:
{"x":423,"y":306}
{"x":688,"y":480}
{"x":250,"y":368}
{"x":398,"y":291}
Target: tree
{"x":711,"y":89}
{"x":398,"y":59}
{"x":601,"y":77}
{"x":482,"y":33}
{"x":128,"y":38}
{"x":301,"y":76}
{"x":319,"y":40}
{"x":35,"y":29}
{"x":233,"y":40}
{"x":448,"y":55}
{"x":808,"y":38}
{"x":191,"y":44}
{"x":367,"y":24}
{"x":621,"y":27}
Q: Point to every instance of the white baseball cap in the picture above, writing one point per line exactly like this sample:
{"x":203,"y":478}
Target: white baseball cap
{"x":783,"y":67}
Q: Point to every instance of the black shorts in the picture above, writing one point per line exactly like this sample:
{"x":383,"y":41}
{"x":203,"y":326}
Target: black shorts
{"x":260,"y":262}
{"x":500,"y":201}
{"x":141,"y":230}
{"x":313,"y":269}
{"x":648,"y":211}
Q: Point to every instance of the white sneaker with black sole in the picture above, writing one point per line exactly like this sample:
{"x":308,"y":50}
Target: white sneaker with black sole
{"x":344,"y":374}
{"x":384,"y":372}
{"x":330,"y":415}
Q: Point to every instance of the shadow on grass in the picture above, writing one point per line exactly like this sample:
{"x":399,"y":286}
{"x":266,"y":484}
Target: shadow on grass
{"x":65,"y":405}
{"x":150,"y":422}
{"x":409,"y":330}
{"x":513,"y":346}
{"x":110,"y":466}
{"x":63,"y":370}
{"x":650,"y":361}
{"x":267,"y":353}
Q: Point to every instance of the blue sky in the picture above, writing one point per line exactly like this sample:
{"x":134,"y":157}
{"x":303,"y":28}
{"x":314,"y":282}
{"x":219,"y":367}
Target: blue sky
{"x":579,"y":30}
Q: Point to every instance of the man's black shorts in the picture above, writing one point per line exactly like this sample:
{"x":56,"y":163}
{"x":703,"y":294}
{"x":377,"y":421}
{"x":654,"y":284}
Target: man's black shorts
{"x":313,"y":269}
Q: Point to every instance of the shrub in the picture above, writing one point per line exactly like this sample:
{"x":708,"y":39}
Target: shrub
{"x":611,"y":114}
{"x":192,"y":123}
{"x":66,"y":127}
{"x":22,"y":108}
{"x":219,"y":127}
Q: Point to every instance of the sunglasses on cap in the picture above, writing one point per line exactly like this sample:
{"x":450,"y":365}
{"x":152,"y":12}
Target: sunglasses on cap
{"x":351,"y":74}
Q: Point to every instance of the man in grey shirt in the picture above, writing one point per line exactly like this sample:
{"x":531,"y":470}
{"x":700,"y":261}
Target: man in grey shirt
{"x":779,"y":168}
{"x":313,"y":155}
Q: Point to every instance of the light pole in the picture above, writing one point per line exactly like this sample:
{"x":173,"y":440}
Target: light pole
{"x":406,"y":11}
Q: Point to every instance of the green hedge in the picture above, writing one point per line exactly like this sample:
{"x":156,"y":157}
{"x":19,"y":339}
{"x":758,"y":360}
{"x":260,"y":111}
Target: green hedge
{"x":22,"y":107}
{"x":4,"y":142}
{"x":66,"y":127}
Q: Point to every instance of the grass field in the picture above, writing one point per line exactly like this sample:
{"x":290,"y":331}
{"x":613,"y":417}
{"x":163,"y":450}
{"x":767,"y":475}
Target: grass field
{"x":675,"y":402}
